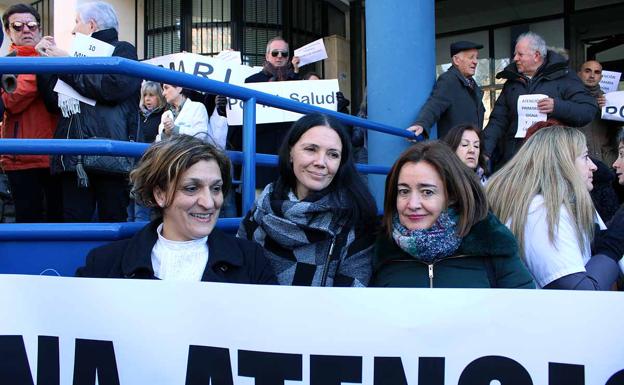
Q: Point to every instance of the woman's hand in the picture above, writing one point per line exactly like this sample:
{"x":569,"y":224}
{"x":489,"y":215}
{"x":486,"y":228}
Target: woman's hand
{"x":168,"y":125}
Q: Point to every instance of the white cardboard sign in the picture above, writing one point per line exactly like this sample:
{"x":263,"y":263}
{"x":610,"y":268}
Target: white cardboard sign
{"x":321,"y":93}
{"x":614,"y":106}
{"x":610,"y":81}
{"x":84,"y":46}
{"x":311,"y":53}
{"x":124,"y":331}
{"x":528,"y":113}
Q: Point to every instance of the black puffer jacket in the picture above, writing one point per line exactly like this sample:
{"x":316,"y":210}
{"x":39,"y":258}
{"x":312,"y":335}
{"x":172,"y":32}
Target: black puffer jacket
{"x":114,"y":115}
{"x":574,"y":105}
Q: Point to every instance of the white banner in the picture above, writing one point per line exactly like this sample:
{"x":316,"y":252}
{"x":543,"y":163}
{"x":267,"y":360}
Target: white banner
{"x":158,"y":332}
{"x":225,"y":71}
{"x":610,"y":81}
{"x":614,"y":107}
{"x":320,"y":93}
{"x":528,"y":113}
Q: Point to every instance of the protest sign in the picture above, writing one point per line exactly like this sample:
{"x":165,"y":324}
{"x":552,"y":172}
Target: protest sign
{"x":84,"y":46}
{"x":204,"y":66}
{"x":230,"y":56}
{"x":311,"y":53}
{"x":74,"y":330}
{"x":321,"y":93}
{"x":614,"y":106}
{"x":528,"y":113}
{"x":610,"y":81}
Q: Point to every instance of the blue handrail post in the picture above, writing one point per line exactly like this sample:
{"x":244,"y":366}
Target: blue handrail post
{"x":249,"y":154}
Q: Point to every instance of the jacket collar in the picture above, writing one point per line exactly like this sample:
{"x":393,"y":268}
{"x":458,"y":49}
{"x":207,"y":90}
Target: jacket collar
{"x":106,"y":35}
{"x":137,"y":259}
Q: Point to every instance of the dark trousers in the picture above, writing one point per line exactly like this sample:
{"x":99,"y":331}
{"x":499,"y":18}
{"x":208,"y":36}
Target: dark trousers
{"x":36,"y":195}
{"x":109,"y":193}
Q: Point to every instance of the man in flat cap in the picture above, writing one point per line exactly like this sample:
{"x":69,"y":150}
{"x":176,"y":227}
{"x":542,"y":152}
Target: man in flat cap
{"x":456,"y":97}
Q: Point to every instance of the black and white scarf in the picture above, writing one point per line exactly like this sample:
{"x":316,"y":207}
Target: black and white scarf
{"x":299,"y":236}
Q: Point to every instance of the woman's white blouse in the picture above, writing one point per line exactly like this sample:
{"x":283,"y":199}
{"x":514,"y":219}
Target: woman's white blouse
{"x":179,"y":261}
{"x":550,"y":261}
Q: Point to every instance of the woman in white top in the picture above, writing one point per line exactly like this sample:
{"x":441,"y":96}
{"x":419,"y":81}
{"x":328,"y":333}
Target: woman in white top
{"x":191,"y":118}
{"x":183,"y":180}
{"x":542,"y":194}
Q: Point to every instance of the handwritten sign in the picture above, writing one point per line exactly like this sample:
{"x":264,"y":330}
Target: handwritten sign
{"x":528,"y":113}
{"x":311,"y":53}
{"x":610,"y":81}
{"x":230,"y":56}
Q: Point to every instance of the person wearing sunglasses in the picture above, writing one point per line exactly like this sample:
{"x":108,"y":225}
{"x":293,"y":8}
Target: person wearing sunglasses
{"x":35,"y":192}
{"x":277,"y":67}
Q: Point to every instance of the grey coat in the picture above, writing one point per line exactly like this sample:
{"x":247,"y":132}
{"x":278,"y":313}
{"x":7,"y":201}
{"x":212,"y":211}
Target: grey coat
{"x":452,"y":102}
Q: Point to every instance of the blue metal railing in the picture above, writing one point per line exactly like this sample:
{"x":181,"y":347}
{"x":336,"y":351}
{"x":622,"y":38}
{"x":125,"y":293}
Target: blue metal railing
{"x":47,"y":234}
{"x":117,"y":65}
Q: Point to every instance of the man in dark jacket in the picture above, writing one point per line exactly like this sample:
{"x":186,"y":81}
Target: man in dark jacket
{"x":535,"y":70}
{"x":456,"y":97}
{"x":276,"y":68}
{"x":114,"y":116}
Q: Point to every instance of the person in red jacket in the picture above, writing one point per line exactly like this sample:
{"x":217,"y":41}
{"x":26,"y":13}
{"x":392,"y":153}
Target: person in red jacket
{"x":36,"y":193}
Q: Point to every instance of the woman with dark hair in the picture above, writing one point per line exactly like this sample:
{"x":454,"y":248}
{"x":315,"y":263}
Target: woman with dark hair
{"x":315,"y":222}
{"x":465,"y":140}
{"x":183,"y":180}
{"x":188,"y":117}
{"x":437,"y":231}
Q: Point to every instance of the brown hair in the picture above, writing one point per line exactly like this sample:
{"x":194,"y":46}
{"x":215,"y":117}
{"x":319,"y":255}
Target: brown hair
{"x":164,"y":162}
{"x":454,"y":136}
{"x":463,"y":189}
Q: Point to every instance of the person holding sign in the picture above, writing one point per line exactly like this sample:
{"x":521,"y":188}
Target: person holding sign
{"x":535,"y":70}
{"x":105,"y":107}
{"x":437,"y":231}
{"x":190,"y":118}
{"x":276,"y":68}
{"x":315,"y":222}
{"x":542,"y":194}
{"x":184,"y":180}
{"x":36,"y":194}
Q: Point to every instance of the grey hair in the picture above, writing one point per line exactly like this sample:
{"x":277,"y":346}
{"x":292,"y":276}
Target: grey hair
{"x":102,"y":13}
{"x":154,"y":88}
{"x":536,"y":42}
{"x":276,"y":38}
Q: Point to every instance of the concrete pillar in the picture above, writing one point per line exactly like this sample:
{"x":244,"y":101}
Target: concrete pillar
{"x":400,"y":59}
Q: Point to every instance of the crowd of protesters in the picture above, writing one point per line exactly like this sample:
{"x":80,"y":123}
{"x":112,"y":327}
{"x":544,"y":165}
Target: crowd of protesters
{"x":482,"y":207}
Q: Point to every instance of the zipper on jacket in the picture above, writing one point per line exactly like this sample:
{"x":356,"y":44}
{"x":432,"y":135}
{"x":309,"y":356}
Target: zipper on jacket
{"x":71,"y":118}
{"x":431,"y":275}
{"x":328,"y":259}
{"x":430,"y":266}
